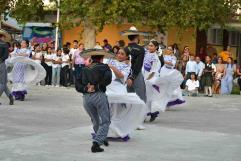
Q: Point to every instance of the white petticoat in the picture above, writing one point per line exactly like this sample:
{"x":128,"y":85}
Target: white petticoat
{"x":127,"y":110}
{"x":164,"y":88}
{"x":33,"y":73}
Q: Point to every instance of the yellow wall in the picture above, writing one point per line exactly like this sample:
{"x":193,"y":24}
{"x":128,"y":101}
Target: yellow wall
{"x":182,"y":38}
{"x":112,"y":33}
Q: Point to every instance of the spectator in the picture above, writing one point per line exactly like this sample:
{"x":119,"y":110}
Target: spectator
{"x":202,"y":54}
{"x":215,"y":58}
{"x":211,"y":50}
{"x":218,"y":75}
{"x":97,"y":46}
{"x":56,"y":68}
{"x":78,"y":62}
{"x":48,"y":58}
{"x":186,"y":52}
{"x":107,"y":46}
{"x":227,"y":81}
{"x":65,"y":67}
{"x":239,"y":77}
{"x":176,"y":51}
{"x":192,"y":85}
{"x":200,"y":67}
{"x":225,"y":54}
{"x":208,"y":71}
{"x":68,"y":45}
{"x":37,"y":54}
{"x":191,"y":67}
{"x":121,"y":43}
{"x":72,"y":50}
{"x":115,"y":49}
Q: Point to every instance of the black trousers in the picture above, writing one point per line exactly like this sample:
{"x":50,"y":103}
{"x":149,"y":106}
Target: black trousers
{"x":65,"y":76}
{"x":48,"y":78}
{"x":239,"y":83}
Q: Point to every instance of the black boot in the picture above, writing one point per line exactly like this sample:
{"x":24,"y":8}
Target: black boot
{"x":96,"y":148}
{"x":11,"y":100}
{"x":106,"y":143}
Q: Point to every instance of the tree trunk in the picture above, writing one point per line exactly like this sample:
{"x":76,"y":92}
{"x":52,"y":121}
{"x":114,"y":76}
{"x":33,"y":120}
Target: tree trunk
{"x":89,"y":35}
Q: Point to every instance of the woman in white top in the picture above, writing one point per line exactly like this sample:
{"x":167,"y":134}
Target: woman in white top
{"x":48,"y":58}
{"x":168,"y":83}
{"x":56,"y":68}
{"x":151,"y":69}
{"x":127,"y":109}
{"x":65,"y":67}
{"x":192,"y":85}
{"x":37,"y":55}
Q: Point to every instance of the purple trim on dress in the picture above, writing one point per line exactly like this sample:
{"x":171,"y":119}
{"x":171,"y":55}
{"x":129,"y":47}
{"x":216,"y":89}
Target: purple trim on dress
{"x":19,"y":94}
{"x":156,"y":88}
{"x":176,"y":102}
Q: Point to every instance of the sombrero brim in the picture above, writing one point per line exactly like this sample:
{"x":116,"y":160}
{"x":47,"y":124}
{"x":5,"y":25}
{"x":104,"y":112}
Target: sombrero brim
{"x":6,"y":34}
{"x":131,"y":32}
{"x":94,"y":52}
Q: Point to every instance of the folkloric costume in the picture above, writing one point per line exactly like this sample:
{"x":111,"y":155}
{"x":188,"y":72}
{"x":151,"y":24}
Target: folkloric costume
{"x":25,"y":71}
{"x":167,"y":85}
{"x":152,"y":66}
{"x":92,"y":83}
{"x":3,"y":70}
{"x":137,"y":54}
{"x":127,"y":109}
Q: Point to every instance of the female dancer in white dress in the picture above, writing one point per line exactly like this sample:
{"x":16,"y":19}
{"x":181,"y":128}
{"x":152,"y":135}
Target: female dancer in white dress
{"x":167,"y":83}
{"x":19,"y":89}
{"x":151,"y":69}
{"x":127,"y":109}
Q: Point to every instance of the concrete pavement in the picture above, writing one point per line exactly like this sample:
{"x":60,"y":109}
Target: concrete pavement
{"x":52,"y":126}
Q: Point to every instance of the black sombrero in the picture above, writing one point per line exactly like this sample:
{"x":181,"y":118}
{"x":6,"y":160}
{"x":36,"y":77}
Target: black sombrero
{"x":132,"y":31}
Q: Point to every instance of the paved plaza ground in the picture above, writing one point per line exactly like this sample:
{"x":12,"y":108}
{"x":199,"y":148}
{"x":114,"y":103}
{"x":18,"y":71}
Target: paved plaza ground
{"x":51,"y":125}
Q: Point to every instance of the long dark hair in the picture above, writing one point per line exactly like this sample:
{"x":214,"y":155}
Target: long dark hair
{"x":155,"y":43}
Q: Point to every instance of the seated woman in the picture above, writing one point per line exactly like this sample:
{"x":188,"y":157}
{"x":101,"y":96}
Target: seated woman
{"x":127,"y":109}
{"x":192,"y":85}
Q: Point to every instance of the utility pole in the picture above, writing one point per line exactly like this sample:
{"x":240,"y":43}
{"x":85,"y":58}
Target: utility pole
{"x":57,"y":26}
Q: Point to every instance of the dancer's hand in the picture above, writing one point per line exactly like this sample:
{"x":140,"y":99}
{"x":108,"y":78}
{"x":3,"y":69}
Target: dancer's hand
{"x":91,"y":88}
{"x":129,"y":82}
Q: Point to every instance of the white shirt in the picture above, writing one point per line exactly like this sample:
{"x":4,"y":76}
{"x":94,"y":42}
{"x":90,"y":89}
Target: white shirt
{"x":65,"y":58}
{"x":200,"y":67}
{"x":72,"y":51}
{"x":50,"y":57}
{"x":191,"y":67}
{"x":37,"y":56}
{"x":192,"y":85}
{"x":56,"y":58}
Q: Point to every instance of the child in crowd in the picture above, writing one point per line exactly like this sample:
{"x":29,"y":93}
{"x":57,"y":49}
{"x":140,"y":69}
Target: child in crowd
{"x":56,"y":68}
{"x":208,"y":72}
{"x":192,"y":85}
{"x":37,"y":54}
{"x":65,"y":67}
{"x":48,"y":57}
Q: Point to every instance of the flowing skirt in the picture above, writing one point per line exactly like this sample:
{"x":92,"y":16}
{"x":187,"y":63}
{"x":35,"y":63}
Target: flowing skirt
{"x":127,"y":110}
{"x":24,"y":71}
{"x":164,"y":89}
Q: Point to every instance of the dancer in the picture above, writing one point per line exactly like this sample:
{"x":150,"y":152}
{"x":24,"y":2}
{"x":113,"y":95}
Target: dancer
{"x":19,"y":89}
{"x":3,"y":70}
{"x":151,"y":69}
{"x":168,"y":92}
{"x":123,"y":105}
{"x":135,"y":81}
{"x":92,"y":83}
